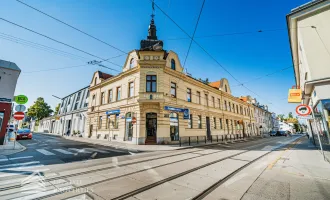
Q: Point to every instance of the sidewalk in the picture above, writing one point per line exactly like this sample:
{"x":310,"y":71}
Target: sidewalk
{"x":134,"y":147}
{"x":11,"y":148}
{"x":298,"y":173}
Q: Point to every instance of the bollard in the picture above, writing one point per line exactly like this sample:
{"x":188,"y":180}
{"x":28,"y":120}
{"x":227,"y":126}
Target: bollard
{"x":189,"y":140}
{"x":217,"y":138}
{"x":205,"y":139}
{"x":197,"y":139}
{"x":180,"y":141}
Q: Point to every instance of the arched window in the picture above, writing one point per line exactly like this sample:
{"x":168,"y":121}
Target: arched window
{"x":132,"y":63}
{"x":226,"y":90}
{"x":95,"y":81}
{"x":173,"y":64}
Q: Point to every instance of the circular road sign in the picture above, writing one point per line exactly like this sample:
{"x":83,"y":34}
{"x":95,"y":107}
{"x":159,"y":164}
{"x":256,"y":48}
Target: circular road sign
{"x":21,"y":99}
{"x":19,"y":115}
{"x":20,"y":108}
{"x":303,"y":110}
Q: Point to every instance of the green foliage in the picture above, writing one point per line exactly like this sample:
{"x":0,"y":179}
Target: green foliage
{"x":57,"y":108}
{"x":290,"y":115}
{"x":280,"y":117}
{"x":40,"y":109}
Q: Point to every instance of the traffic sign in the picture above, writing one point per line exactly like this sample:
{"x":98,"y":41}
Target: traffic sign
{"x":303,"y":110}
{"x":20,"y":108}
{"x":19,"y":115}
{"x":21,"y":99}
{"x":134,"y":120}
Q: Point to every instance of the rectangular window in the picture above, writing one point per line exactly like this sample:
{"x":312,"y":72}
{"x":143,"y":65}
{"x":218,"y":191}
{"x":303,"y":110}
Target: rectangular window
{"x":110,"y":96}
{"x":151,"y":83}
{"x":214,"y":123}
{"x":116,"y":124}
{"x":198,"y":97}
{"x":100,"y":122}
{"x":229,"y":106}
{"x":86,"y":100}
{"x":78,"y":97}
{"x":213,"y":102}
{"x":219,"y":103}
{"x":76,"y":105}
{"x":131,"y":89}
{"x":199,"y":121}
{"x":102,"y":98}
{"x":188,"y":95}
{"x":206,"y":100}
{"x":107,"y":125}
{"x":190,"y":121}
{"x":237,"y":109}
{"x":220,"y":123}
{"x":118,"y":93}
{"x":225,"y":105}
{"x":173,"y":90}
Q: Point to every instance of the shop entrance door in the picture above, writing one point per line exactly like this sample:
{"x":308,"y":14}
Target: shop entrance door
{"x":129,"y":127}
{"x":151,"y":128}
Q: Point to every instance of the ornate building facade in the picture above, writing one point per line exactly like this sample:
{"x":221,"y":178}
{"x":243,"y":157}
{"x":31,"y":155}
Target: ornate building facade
{"x":153,"y":102}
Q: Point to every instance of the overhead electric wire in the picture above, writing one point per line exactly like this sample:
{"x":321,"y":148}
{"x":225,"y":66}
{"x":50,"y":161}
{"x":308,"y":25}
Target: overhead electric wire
{"x":65,"y":44}
{"x":260,"y":77}
{"x":325,"y":46}
{"x":193,"y":35}
{"x":206,"y":51}
{"x":83,"y":32}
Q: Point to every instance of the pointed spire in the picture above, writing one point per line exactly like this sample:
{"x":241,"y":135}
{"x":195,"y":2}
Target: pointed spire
{"x":152,"y":27}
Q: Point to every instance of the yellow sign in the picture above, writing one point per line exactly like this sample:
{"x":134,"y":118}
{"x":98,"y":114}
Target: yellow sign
{"x":294,"y":96}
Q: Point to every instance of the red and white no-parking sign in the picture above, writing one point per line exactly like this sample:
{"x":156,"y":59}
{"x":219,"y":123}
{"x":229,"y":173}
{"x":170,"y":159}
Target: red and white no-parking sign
{"x":303,"y":110}
{"x":19,"y":115}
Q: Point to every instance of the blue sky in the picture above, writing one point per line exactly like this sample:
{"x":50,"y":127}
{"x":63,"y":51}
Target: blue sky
{"x":123,"y":23}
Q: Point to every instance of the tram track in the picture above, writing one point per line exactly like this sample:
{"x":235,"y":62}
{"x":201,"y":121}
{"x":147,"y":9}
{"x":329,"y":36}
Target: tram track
{"x":132,"y":193}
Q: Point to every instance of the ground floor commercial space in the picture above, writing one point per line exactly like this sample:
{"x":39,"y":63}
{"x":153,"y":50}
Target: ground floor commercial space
{"x":160,"y":123}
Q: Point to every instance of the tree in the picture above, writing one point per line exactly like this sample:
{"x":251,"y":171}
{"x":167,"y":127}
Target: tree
{"x":280,"y":117}
{"x":207,"y":81}
{"x":40,"y":109}
{"x":290,"y":115}
{"x":57,"y":108}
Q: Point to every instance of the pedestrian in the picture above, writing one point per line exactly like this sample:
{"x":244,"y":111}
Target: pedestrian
{"x":307,"y":135}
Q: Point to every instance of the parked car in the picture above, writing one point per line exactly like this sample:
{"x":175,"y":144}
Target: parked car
{"x":283,"y":133}
{"x":272,"y":133}
{"x":24,"y":134}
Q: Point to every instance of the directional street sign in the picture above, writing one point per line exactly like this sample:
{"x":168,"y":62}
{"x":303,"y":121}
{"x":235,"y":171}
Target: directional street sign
{"x":21,"y":99}
{"x":19,"y":115}
{"x":20,"y":108}
{"x":303,"y":110}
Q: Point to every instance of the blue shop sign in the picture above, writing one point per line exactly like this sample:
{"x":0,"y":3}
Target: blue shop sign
{"x":186,"y":112}
{"x":112,"y":112}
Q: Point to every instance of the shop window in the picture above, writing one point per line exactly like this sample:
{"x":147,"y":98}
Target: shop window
{"x":116,"y":122}
{"x":151,"y":83}
{"x":174,"y":127}
{"x":199,"y":121}
{"x":214,"y":123}
{"x":190,"y":121}
{"x":107,"y":125}
{"x":220,"y":123}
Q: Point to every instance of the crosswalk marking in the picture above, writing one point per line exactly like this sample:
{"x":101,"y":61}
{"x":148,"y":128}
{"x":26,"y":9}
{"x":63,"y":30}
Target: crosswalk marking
{"x":45,"y":152}
{"x":80,"y":150}
{"x":23,"y":157}
{"x":3,"y":159}
{"x":97,"y":150}
{"x":63,"y":151}
{"x":20,"y":164}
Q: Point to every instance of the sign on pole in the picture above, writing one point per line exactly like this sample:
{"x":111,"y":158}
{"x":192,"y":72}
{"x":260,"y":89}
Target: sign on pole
{"x":303,"y":110}
{"x":294,"y":95}
{"x":21,"y":99}
{"x":19,"y":115}
{"x":20,"y":108}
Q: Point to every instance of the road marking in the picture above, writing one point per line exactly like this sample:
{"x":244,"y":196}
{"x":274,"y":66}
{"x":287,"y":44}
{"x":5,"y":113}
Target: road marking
{"x":97,"y":150}
{"x":224,"y":145}
{"x":20,"y":164}
{"x":32,"y":144}
{"x":45,"y":152}
{"x":23,"y":157}
{"x":63,"y":151}
{"x":80,"y":150}
{"x":4,"y":159}
{"x":19,"y":173}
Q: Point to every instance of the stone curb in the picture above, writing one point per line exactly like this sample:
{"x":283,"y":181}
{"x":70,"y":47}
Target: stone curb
{"x":13,"y":151}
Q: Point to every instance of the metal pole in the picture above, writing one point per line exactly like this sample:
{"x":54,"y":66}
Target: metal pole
{"x":317,"y":129}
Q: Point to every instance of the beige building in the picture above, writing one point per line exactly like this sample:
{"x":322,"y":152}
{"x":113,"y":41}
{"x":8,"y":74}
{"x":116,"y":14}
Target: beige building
{"x":167,"y":104}
{"x":309,"y":36}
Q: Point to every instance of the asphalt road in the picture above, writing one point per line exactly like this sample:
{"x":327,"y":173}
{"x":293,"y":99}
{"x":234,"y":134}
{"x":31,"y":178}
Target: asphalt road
{"x":49,"y":150}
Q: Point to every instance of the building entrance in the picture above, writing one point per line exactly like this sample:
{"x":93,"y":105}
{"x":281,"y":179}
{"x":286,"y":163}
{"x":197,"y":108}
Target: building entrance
{"x":151,"y":128}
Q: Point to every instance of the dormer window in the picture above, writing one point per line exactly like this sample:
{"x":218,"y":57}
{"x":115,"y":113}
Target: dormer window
{"x":132,"y":63}
{"x":95,"y":81}
{"x":226,"y":90}
{"x":173,"y":64}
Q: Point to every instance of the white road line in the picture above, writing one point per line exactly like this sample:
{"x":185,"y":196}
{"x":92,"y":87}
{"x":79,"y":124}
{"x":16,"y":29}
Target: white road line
{"x":20,"y":164}
{"x":97,"y":150}
{"x":32,"y":144}
{"x":23,"y":157}
{"x":19,"y":173}
{"x":45,"y":152}
{"x":80,"y":150}
{"x":63,"y":151}
{"x":20,"y":168}
{"x":4,"y":159}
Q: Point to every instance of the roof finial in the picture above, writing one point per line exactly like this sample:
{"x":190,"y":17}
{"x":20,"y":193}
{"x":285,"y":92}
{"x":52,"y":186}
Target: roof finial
{"x":153,"y":9}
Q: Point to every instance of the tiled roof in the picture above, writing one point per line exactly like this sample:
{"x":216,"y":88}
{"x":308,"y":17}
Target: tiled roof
{"x":215,"y":84}
{"x":9,"y":65}
{"x":104,"y":75}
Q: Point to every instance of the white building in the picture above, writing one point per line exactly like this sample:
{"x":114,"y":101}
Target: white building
{"x":309,"y":36}
{"x":71,"y":117}
{"x":283,"y":126}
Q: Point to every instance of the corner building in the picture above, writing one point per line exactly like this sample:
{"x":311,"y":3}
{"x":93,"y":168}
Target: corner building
{"x":167,"y":104}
